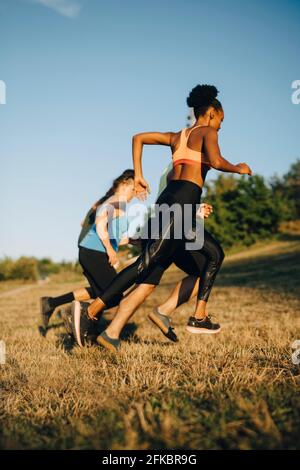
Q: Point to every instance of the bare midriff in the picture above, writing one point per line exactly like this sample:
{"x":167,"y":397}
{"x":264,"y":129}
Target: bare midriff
{"x":194,"y":173}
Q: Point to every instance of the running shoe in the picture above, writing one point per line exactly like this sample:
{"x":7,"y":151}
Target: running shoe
{"x":202,"y":326}
{"x":108,"y":343}
{"x":164,"y":324}
{"x":46,"y":310}
{"x":82,"y":325}
{"x":66,"y":316}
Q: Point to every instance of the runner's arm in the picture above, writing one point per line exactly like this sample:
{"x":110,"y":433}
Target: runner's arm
{"x":101,"y":229}
{"x":213,"y":153}
{"x":147,"y":138}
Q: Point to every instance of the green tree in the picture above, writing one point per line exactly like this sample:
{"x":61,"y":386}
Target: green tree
{"x":292,"y":185}
{"x":244,"y":210}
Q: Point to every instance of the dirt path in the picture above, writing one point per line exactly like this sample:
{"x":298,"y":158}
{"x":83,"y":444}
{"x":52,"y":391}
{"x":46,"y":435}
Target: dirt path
{"x":18,"y":290}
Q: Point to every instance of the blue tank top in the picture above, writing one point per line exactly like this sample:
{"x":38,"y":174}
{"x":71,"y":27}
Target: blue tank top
{"x":117,"y":228}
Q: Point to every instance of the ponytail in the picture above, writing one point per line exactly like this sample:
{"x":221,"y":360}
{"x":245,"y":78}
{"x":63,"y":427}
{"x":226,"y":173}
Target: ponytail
{"x":125,"y":176}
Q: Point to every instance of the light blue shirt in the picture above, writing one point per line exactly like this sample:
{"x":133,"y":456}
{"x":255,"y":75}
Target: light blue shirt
{"x":117,"y":229}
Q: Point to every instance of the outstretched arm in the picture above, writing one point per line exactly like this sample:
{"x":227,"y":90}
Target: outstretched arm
{"x":138,"y":141}
{"x":212,"y":151}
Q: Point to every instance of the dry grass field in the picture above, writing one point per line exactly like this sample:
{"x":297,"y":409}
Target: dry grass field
{"x":237,"y":390}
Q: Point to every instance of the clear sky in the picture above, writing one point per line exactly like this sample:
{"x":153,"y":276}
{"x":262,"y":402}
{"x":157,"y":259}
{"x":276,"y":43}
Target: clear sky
{"x":82,"y":76}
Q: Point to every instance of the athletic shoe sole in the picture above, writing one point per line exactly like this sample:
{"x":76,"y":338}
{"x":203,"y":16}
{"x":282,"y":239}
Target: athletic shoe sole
{"x":199,"y":331}
{"x":76,"y":310}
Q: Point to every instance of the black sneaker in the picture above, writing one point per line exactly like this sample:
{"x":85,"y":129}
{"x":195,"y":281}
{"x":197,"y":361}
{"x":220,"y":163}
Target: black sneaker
{"x":202,"y":326}
{"x":82,"y":325}
{"x":46,"y":311}
{"x":66,"y":316}
{"x":164,"y":324}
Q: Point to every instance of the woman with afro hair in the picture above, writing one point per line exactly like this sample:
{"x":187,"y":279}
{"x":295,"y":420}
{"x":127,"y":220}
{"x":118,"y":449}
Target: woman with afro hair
{"x":194,"y":151}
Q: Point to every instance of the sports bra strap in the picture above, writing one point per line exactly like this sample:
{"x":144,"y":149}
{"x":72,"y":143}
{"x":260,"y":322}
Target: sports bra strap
{"x":200,"y":125}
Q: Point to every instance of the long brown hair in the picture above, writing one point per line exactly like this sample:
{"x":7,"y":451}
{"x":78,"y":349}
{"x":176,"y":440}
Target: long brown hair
{"x":125,"y":176}
{"x":91,"y":215}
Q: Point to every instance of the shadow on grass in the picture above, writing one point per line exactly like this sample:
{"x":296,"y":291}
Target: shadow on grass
{"x":148,"y":342}
{"x":65,"y":341}
{"x":288,"y":237}
{"x":43,"y":331}
{"x":127,"y":333}
{"x":280,"y":272}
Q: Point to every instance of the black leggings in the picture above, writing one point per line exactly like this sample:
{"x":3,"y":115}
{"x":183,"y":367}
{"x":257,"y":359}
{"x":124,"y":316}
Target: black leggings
{"x":99,"y":274}
{"x":163,"y":250}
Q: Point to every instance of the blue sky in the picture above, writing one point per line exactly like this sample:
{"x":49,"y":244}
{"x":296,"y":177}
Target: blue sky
{"x":83,"y":76}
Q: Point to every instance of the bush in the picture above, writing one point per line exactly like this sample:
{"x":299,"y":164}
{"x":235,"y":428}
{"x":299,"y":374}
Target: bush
{"x":6,"y":267}
{"x":25,"y":268}
{"x":46,"y":267}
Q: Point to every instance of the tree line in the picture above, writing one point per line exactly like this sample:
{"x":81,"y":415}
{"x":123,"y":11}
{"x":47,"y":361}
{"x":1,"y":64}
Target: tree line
{"x":245,"y":210}
{"x":250,"y":209}
{"x":30,"y":268}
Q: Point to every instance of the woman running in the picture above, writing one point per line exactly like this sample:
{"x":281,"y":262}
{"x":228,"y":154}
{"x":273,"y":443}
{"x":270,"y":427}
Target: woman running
{"x":184,"y":291}
{"x":104,"y":229}
{"x":194,"y":152}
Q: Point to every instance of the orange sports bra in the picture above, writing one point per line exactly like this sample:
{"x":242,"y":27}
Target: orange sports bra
{"x":185,"y":155}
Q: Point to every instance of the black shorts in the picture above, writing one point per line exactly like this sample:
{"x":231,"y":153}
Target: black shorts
{"x":98,"y":272}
